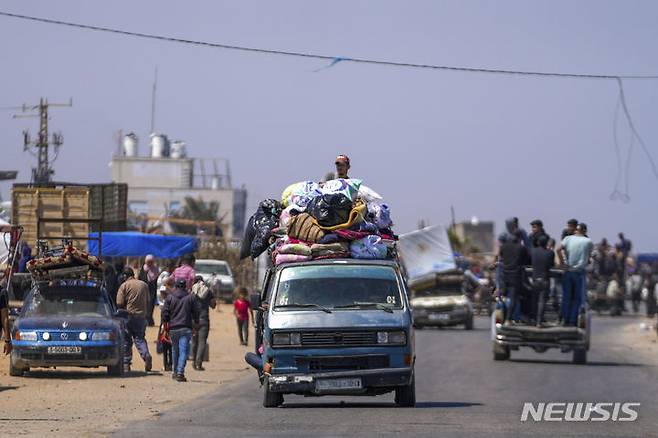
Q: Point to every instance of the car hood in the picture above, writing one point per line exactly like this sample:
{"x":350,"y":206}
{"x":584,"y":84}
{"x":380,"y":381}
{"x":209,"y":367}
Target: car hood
{"x":317,"y":319}
{"x":72,"y":323}
{"x":438,"y":301}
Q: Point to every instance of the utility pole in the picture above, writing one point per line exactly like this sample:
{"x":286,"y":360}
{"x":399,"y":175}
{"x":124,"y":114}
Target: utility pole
{"x":43,"y":172}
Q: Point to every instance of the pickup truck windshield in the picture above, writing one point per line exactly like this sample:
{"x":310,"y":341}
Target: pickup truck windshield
{"x":445,"y":289}
{"x":67,"y":301}
{"x":338,"y":287}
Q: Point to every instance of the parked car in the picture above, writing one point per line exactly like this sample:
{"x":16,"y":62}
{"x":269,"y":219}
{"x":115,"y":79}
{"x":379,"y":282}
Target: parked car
{"x":67,"y":323}
{"x":218,"y":276}
{"x":334,"y":327}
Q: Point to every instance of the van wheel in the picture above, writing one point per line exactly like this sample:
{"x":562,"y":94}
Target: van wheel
{"x":580,"y":356}
{"x":116,"y":370}
{"x":271,"y":399}
{"x":500,"y":352}
{"x":405,"y":396}
{"x":16,"y":371}
{"x":468,"y":324}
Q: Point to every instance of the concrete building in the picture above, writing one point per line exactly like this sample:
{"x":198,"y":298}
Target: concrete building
{"x":160,"y":182}
{"x":477,"y":235}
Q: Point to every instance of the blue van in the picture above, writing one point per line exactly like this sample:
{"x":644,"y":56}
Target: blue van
{"x":334,"y":327}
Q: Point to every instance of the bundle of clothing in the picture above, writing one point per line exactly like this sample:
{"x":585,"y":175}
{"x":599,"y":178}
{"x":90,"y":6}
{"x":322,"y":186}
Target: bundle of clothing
{"x":340,"y":218}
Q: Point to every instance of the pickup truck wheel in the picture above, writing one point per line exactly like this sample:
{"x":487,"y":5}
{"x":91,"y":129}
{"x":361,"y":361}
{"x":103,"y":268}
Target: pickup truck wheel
{"x":500,"y":352}
{"x":271,"y":399}
{"x":405,"y":396}
{"x":580,"y":356}
{"x":16,"y":371}
{"x":468,"y":324}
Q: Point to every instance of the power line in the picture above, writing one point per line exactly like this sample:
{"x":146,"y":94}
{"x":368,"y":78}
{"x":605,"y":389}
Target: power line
{"x":334,"y":59}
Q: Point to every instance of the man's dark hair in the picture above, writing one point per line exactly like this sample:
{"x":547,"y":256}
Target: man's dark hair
{"x":542,"y":241}
{"x":573,"y":222}
{"x":537,"y":222}
{"x":128,"y":272}
{"x":197,"y":279}
{"x":582,"y":227}
{"x":188,"y":259}
{"x":181,"y":283}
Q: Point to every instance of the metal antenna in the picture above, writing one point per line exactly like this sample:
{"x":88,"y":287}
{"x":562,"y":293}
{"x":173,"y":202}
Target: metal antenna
{"x":43,"y":172}
{"x":155,"y":85}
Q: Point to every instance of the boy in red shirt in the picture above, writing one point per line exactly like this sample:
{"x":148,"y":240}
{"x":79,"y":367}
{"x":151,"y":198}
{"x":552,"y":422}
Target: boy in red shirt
{"x":242,"y":311}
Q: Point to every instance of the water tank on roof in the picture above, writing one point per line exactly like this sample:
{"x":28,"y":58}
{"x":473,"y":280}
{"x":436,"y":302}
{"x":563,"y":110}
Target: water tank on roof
{"x":178,"y":149}
{"x":130,"y":145}
{"x":159,"y":146}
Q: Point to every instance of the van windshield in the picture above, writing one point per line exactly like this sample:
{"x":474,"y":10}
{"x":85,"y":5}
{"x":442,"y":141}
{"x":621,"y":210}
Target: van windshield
{"x":211,"y":268}
{"x":67,"y":301}
{"x":323,"y":287}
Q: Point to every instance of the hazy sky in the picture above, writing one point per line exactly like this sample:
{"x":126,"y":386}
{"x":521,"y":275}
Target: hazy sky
{"x":492,"y":146}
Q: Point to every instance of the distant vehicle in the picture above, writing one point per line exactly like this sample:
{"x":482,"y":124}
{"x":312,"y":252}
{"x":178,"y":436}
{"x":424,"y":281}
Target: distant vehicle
{"x":551,"y":334}
{"x":440,"y":300}
{"x":218,"y":276}
{"x":67,"y":323}
{"x":334,"y":327}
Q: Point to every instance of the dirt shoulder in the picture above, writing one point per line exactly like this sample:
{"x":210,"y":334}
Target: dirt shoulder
{"x":87,"y":403}
{"x":640,"y":335}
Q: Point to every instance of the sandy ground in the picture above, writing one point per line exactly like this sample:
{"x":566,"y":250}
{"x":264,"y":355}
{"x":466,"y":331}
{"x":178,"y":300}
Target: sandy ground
{"x":642,"y":336}
{"x":87,"y":403}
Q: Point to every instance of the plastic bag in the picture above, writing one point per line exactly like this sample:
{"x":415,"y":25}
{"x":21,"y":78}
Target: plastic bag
{"x":347,"y":187}
{"x":356,"y":216}
{"x":288,"y":212}
{"x":369,"y":195}
{"x":259,"y":228}
{"x":330,"y":209}
{"x":380,"y":215}
{"x":370,"y":247}
{"x":300,"y":194}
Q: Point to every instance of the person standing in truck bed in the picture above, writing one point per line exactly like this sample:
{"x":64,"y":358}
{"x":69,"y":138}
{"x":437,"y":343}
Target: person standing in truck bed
{"x":543,"y":260}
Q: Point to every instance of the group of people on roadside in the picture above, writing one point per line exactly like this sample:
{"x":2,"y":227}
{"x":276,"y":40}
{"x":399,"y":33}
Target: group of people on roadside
{"x":185,"y":314}
{"x":519,"y":249}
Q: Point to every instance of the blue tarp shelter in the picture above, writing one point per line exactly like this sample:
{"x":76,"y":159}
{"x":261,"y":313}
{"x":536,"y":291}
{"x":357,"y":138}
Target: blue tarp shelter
{"x":134,"y":244}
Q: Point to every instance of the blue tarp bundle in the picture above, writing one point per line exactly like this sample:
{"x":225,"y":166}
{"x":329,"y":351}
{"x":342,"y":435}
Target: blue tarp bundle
{"x":647,"y":257}
{"x":134,"y":244}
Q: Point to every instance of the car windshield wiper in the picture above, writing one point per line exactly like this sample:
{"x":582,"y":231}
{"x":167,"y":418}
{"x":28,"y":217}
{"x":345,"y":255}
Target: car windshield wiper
{"x":380,"y":306}
{"x":304,"y":306}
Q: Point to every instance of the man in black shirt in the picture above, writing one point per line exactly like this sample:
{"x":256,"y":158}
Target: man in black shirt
{"x":542,"y":261}
{"x":514,"y":256}
{"x":537,"y":230}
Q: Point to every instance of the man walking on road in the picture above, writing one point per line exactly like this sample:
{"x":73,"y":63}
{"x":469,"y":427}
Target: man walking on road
{"x":4,"y":319}
{"x":149,"y":274}
{"x":133,"y":295}
{"x":575,"y":251}
{"x":179,"y":313}
{"x":205,"y":300}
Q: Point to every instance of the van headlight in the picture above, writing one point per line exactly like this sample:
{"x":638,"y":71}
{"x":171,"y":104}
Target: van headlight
{"x":26,"y":335}
{"x":279,"y":339}
{"x":102,"y":336}
{"x":392,"y":338}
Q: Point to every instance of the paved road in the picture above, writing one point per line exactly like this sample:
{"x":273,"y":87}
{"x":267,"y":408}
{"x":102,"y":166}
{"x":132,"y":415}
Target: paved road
{"x":462,"y":392}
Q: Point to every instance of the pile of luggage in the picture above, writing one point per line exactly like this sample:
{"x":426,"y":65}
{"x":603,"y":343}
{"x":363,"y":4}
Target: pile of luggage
{"x":340,"y":218}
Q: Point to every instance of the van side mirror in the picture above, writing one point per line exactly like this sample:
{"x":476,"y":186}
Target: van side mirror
{"x":255,"y":301}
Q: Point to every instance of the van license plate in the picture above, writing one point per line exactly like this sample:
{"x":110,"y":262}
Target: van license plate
{"x":64,"y":350}
{"x":338,"y":384}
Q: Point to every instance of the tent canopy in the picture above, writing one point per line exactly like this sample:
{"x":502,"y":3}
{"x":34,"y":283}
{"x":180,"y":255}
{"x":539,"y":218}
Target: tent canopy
{"x":134,"y":244}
